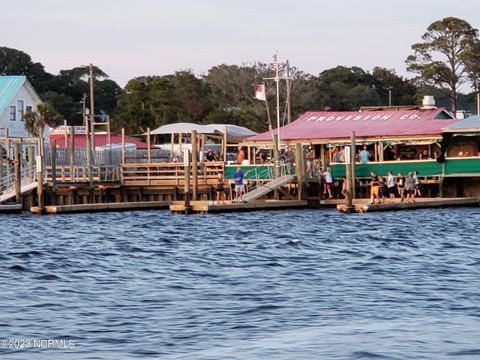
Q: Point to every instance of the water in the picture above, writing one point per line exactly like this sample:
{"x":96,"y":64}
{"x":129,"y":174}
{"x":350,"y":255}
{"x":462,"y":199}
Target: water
{"x":304,"y":284}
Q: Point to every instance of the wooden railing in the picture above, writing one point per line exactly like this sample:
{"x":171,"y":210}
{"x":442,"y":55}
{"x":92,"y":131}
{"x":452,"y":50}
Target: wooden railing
{"x":168,"y":174}
{"x":80,"y":174}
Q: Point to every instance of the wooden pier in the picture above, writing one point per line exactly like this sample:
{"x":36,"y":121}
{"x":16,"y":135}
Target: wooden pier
{"x":205,"y":207}
{"x":78,"y":208}
{"x":362,"y":205}
{"x":10,"y":208}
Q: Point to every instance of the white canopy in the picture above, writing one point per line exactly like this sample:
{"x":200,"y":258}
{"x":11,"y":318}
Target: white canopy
{"x":234,"y":133}
{"x":178,"y":128}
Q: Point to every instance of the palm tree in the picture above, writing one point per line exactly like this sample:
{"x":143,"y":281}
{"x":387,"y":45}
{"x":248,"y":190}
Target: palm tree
{"x":36,"y":120}
{"x":35,"y":123}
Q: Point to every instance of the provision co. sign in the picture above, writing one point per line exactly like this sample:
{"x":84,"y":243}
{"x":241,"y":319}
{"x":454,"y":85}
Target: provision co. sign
{"x":360,"y":117}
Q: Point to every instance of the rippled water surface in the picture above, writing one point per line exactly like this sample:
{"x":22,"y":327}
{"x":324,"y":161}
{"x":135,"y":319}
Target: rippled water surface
{"x":302,"y":284}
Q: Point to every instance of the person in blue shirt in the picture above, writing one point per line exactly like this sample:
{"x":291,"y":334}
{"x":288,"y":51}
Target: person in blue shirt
{"x":239,"y":187}
{"x":364,"y":155}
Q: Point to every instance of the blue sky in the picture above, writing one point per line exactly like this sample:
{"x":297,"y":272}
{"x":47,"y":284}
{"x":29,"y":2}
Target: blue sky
{"x":157,"y":37}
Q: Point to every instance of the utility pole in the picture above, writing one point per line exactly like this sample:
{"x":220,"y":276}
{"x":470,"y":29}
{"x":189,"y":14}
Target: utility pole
{"x":478,"y":97}
{"x":289,"y":84}
{"x":88,"y":144}
{"x":92,"y":105}
{"x":278,"y":142}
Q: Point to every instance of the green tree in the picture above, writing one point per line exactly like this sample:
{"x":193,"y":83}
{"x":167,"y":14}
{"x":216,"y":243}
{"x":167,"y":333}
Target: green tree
{"x":441,"y":59}
{"x":16,"y":62}
{"x":37,"y":120}
{"x":388,"y":83}
{"x":345,"y":88}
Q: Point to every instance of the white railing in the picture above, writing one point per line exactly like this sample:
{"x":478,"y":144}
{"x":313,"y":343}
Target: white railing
{"x":7,"y":183}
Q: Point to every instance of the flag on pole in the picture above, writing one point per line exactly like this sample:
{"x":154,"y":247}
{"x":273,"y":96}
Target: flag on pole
{"x":274,"y":62}
{"x":260,"y":94}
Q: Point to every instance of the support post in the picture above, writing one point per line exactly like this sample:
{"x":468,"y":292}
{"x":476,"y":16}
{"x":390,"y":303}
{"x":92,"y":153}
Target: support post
{"x":186,"y":159}
{"x":39,"y":163}
{"x":194,"y":166}
{"x":72,"y":146}
{"x":31,"y":160}
{"x":18,"y":173}
{"x":299,"y":169}
{"x":54,"y":171}
{"x":54,"y":165}
{"x":1,"y":166}
{"x":276,"y":156}
{"x":353,"y":152}
{"x":349,"y":159}
{"x":123,"y":145}
{"x":149,"y":150}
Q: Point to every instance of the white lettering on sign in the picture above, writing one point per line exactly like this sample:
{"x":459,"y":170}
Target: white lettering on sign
{"x":353,"y":117}
{"x":62,"y":130}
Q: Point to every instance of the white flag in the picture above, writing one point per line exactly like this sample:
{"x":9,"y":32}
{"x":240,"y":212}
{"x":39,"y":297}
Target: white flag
{"x":260,"y":94}
{"x":274,"y":62}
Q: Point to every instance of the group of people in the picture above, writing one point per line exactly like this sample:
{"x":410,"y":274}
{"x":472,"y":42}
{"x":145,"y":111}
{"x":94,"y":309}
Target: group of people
{"x":408,"y":187}
{"x":239,"y":187}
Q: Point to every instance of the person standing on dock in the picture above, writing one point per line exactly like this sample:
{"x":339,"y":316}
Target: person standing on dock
{"x":220,"y":188}
{"x":391,"y":185}
{"x":289,"y":158}
{"x":328,"y":183}
{"x":344,"y":187}
{"x":410,"y":187}
{"x":374,"y":188}
{"x":417,"y":183}
{"x":239,"y":187}
{"x":401,"y":186}
{"x":310,"y":157}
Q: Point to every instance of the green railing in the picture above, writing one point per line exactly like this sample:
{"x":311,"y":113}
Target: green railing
{"x":452,"y":167}
{"x":424,"y":167}
{"x":251,"y":172}
{"x":459,"y":166}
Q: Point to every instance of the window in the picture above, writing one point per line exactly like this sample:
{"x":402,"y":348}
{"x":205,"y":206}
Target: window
{"x":20,"y":106}
{"x":13,"y":113}
{"x":28,"y":108}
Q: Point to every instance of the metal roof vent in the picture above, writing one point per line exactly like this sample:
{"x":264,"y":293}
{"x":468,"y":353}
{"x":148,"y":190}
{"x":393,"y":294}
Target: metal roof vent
{"x":428,"y":102}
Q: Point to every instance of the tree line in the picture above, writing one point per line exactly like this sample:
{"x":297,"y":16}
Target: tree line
{"x":445,"y":62}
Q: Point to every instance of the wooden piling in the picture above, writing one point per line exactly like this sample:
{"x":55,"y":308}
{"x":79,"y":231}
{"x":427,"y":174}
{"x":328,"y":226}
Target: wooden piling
{"x":72,"y":146}
{"x":299,"y":170}
{"x":1,"y":164}
{"x":186,"y":158}
{"x":194,"y":166}
{"x":149,"y":149}
{"x":18,"y":173}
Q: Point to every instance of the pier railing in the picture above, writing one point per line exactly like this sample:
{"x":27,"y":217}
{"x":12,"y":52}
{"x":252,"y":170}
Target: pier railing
{"x":168,"y":174}
{"x":80,"y":174}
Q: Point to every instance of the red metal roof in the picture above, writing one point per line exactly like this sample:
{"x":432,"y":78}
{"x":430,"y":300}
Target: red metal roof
{"x":100,"y":140}
{"x":337,"y":125}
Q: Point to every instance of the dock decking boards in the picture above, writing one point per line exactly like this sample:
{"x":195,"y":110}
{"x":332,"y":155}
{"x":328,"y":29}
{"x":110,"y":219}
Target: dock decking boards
{"x":420,"y":203}
{"x":209,"y":207}
{"x":143,"y":205}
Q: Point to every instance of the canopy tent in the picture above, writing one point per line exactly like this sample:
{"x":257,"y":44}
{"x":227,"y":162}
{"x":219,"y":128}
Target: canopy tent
{"x":326,"y":126}
{"x":226,"y":132}
{"x":178,"y":128}
{"x":234,"y":133}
